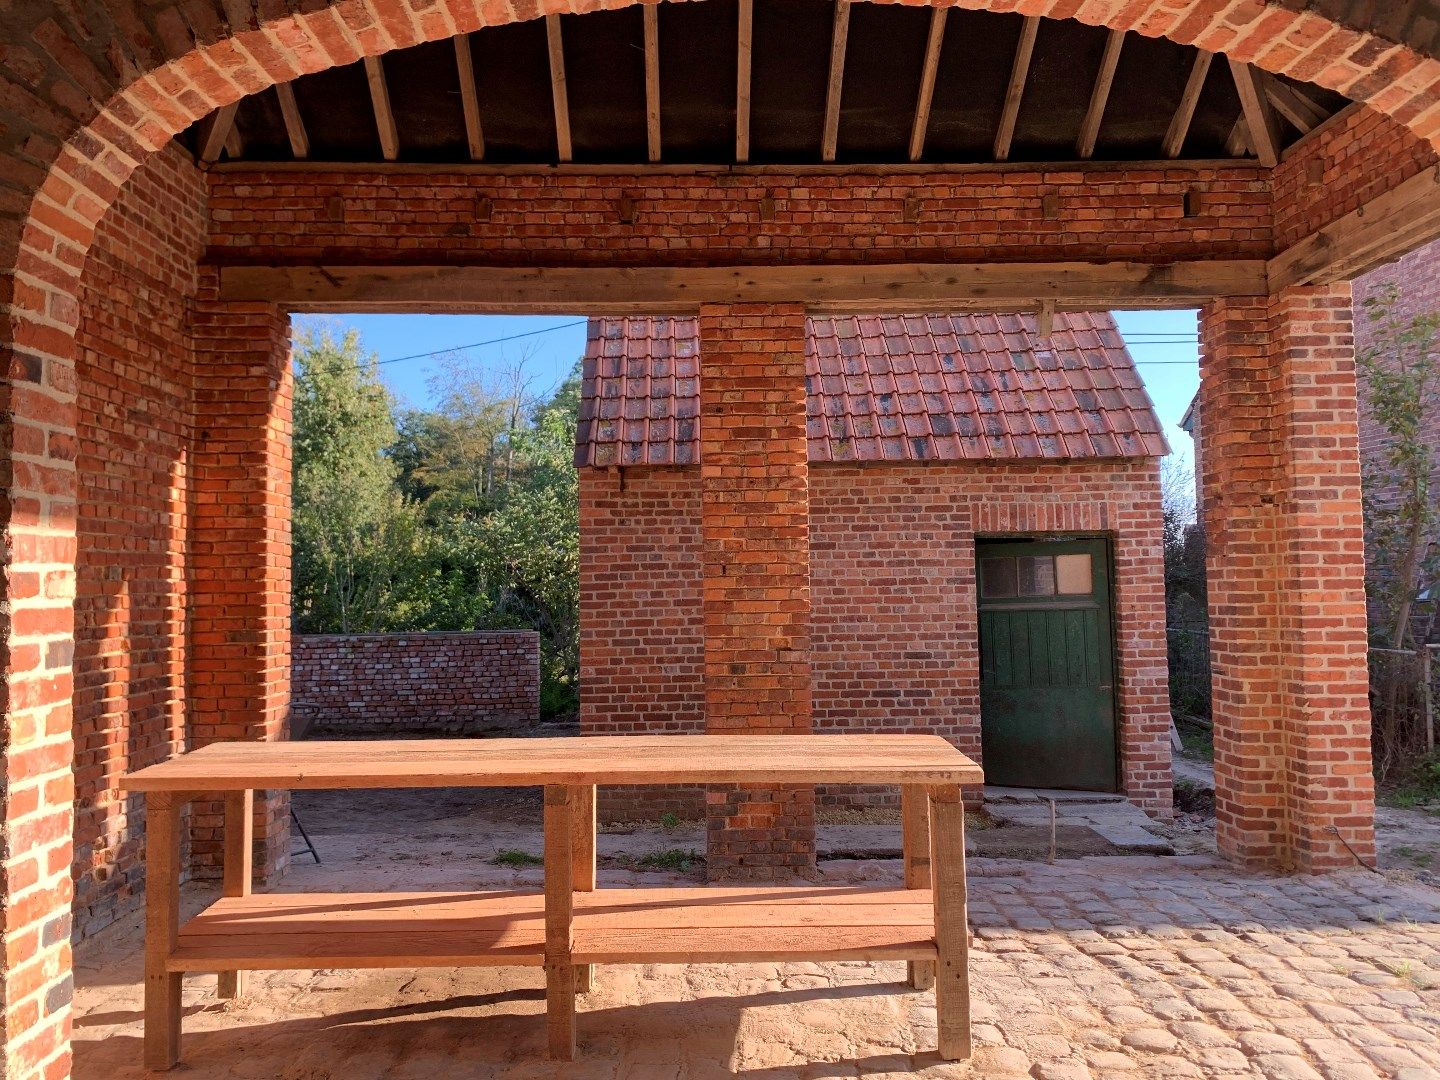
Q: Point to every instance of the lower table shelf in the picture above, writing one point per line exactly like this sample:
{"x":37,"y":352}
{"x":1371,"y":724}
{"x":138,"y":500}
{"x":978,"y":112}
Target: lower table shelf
{"x":507,"y":928}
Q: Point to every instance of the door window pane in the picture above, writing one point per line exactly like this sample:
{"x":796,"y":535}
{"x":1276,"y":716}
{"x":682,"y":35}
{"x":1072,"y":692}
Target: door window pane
{"x":997,"y":577}
{"x":1036,"y":575}
{"x":1072,"y":574}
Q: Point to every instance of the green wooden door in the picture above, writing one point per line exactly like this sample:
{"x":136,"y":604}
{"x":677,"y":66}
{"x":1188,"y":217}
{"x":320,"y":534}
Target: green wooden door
{"x":1047,"y":685}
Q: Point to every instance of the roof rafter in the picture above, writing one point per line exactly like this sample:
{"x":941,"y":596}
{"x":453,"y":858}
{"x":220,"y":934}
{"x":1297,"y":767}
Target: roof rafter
{"x":558,"y":91}
{"x":380,"y":103}
{"x":1294,"y":106}
{"x":839,"y":35}
{"x":1019,"y":73}
{"x":218,"y":136}
{"x":1185,"y":112}
{"x":469,"y":97}
{"x":652,"y":80}
{"x":1259,"y":120}
{"x":928,"y":72}
{"x":1100,"y":95}
{"x":294,"y":125}
{"x":742,"y":81}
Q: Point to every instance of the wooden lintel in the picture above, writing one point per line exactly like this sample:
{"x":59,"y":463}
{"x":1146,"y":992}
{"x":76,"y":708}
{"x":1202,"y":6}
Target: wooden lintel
{"x":839,"y":35}
{"x":928,"y":71}
{"x":1015,"y":91}
{"x":217,"y":134}
{"x":1072,"y":286}
{"x":1100,"y":95}
{"x":469,"y":97}
{"x":652,"y":81}
{"x":380,"y":102}
{"x":1383,"y":229}
{"x":558,"y":92}
{"x":294,"y":125}
{"x":1180,"y":123}
{"x":1255,"y":107}
{"x":742,"y":81}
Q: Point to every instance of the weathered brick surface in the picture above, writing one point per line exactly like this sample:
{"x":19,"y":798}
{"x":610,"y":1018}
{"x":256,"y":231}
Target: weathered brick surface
{"x":1286,"y":566}
{"x":893,"y":610}
{"x":415,"y":684}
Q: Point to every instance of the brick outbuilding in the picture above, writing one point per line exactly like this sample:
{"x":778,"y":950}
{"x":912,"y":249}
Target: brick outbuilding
{"x":933,"y":441}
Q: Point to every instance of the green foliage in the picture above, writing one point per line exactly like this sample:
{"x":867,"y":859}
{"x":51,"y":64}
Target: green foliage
{"x":517,"y":859}
{"x":1420,"y":788}
{"x":1400,"y":381}
{"x":680,"y":860}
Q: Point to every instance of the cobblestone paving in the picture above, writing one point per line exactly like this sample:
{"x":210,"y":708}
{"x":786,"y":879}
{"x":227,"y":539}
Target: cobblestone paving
{"x":1122,"y":967}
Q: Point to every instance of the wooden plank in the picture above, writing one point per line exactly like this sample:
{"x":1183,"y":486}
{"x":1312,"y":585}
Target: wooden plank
{"x":1015,"y":91}
{"x":294,"y":123}
{"x":652,"y":80}
{"x":742,"y":80}
{"x":584,"y":851}
{"x":681,"y":290}
{"x":751,"y":945}
{"x":1383,"y":229}
{"x":469,"y":97}
{"x":1259,"y":120}
{"x":1294,"y":106}
{"x":915,"y":848}
{"x":928,"y":71}
{"x":719,"y":759}
{"x":1237,"y":143}
{"x":1099,"y":95}
{"x":380,"y":105}
{"x":952,"y":930}
{"x":396,"y":948}
{"x":162,"y":927}
{"x":834,"y":86}
{"x":238,"y":871}
{"x":559,"y":920}
{"x":1174,"y":140}
{"x":220,"y":125}
{"x":559,"y":94}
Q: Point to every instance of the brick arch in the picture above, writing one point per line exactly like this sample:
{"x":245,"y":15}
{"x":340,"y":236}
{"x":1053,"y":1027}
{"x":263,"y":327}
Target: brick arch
{"x":71,"y":174}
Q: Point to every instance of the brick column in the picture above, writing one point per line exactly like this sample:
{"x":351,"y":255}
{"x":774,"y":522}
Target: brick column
{"x":1281,"y":496}
{"x":755,"y":521}
{"x":240,"y":556}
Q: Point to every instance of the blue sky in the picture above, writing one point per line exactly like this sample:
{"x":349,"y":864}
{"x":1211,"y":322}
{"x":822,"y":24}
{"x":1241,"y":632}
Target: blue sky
{"x":1162,"y":342}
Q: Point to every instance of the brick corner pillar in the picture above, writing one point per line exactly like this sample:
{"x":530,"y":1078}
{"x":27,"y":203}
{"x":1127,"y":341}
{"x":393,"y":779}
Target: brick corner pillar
{"x":240,"y":556}
{"x":755,"y":524}
{"x":1281,"y":494}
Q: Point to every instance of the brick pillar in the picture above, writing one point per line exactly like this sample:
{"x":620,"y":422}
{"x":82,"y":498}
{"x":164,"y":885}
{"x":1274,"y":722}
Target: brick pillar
{"x":755,"y":521}
{"x":240,"y":556}
{"x":1281,"y":496}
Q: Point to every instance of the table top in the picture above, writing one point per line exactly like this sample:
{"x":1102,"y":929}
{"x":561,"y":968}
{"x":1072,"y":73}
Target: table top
{"x":605,"y":759}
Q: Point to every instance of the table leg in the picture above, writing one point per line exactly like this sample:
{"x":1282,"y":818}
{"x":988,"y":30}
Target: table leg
{"x":162,"y":928}
{"x":559,"y":919}
{"x":952,"y":933}
{"x":239,"y":837}
{"x":915,"y":840}
{"x":584,"y":863}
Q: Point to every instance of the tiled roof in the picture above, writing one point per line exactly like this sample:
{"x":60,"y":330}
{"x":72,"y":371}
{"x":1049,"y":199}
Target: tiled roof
{"x":892,"y":388}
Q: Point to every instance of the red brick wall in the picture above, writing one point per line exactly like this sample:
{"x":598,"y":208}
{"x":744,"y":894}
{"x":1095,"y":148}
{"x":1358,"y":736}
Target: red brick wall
{"x":407,"y":684}
{"x":892,"y":585}
{"x":131,"y":449}
{"x":572,"y":219}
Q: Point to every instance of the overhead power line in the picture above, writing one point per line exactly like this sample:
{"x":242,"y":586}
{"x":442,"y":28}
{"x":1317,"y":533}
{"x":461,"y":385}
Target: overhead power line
{"x":482,"y":344}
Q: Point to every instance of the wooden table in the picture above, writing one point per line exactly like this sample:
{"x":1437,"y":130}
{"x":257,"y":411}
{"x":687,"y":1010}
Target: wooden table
{"x":569,"y":926}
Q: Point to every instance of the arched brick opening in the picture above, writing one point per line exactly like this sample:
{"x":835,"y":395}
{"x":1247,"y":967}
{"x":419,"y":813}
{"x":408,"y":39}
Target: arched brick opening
{"x":71,"y":169}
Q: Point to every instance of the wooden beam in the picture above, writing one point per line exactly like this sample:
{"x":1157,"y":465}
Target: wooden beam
{"x":1019,"y":72}
{"x":558,"y":91}
{"x":652,"y":80}
{"x":1100,"y":95}
{"x":742,"y":81}
{"x":839,"y":35}
{"x":1383,"y":229}
{"x":380,"y":102}
{"x":469,"y":97}
{"x":928,"y":71}
{"x":1259,"y":120}
{"x":1237,"y":143}
{"x":294,"y":125}
{"x":1294,"y":106}
{"x":217,"y":134}
{"x":1189,"y":98}
{"x":666,"y":290}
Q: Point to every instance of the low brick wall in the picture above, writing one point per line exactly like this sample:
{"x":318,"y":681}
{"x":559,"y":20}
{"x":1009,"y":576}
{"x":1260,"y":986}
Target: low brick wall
{"x":415,"y":684}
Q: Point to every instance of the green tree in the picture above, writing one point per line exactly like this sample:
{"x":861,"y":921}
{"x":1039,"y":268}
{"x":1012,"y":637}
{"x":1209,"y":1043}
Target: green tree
{"x":355,"y":536}
{"x":1400,"y":378}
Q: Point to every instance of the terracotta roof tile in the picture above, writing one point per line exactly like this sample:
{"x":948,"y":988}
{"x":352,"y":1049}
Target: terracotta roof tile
{"x":890,"y":388}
